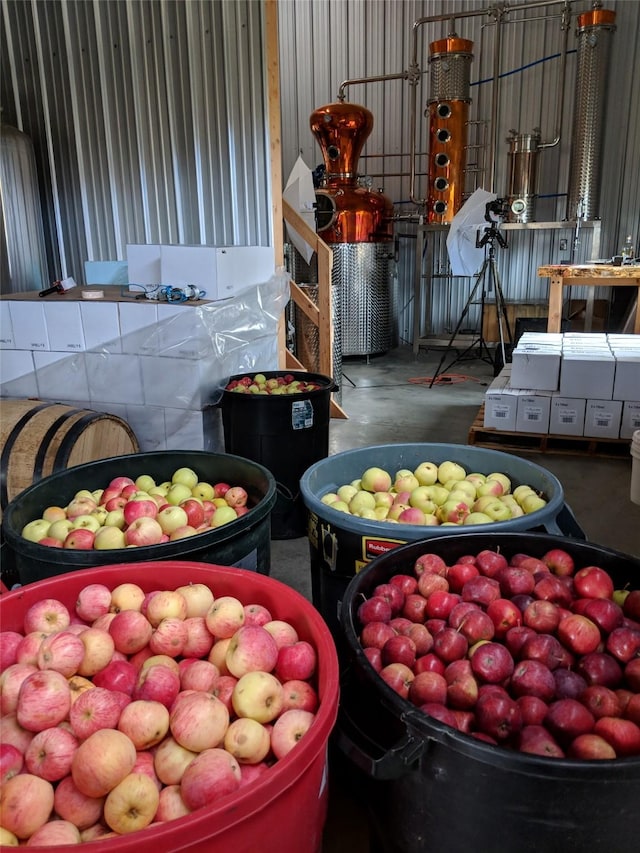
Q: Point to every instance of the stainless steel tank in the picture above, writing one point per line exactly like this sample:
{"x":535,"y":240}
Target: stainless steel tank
{"x":594,"y":33}
{"x":358,"y":225}
{"x":23,"y":257}
{"x":523,"y":162}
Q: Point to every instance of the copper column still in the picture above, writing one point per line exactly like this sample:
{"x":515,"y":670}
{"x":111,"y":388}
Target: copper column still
{"x":358,"y":224}
{"x":450,"y":63}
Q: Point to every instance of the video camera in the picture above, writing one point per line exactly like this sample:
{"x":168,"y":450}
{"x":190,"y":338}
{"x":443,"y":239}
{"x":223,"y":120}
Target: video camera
{"x":496,"y":210}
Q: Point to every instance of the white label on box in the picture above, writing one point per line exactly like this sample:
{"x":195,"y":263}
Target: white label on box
{"x":533,"y":414}
{"x":603,"y":419}
{"x":567,"y":416}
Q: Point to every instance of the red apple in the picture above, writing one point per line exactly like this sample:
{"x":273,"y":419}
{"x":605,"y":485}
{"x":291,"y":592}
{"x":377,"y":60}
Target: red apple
{"x":376,"y":634}
{"x":493,"y":663}
{"x":504,"y":615}
{"x":429,"y":663}
{"x":498,"y":716}
{"x":579,"y":634}
{"x":532,"y":678}
{"x":533,"y":710}
{"x":407,"y":583}
{"x":429,"y":563}
{"x":591,"y":747}
{"x":537,"y":740}
{"x":459,"y":574}
{"x":490,"y":562}
{"x":462,"y":686}
{"x":569,"y":683}
{"x":391,"y":593}
{"x":440,"y":604}
{"x":515,"y":581}
{"x":601,"y":701}
{"x":593,"y":582}
{"x":623,"y":735}
{"x":600,"y":668}
{"x":567,"y":719}
{"x":398,"y":649}
{"x":605,"y":613}
{"x":481,"y":590}
{"x":559,"y":561}
{"x":428,"y":687}
{"x":623,"y":643}
{"x":374,"y":609}
{"x":399,"y":677}
{"x":450,"y":645}
{"x":429,"y":582}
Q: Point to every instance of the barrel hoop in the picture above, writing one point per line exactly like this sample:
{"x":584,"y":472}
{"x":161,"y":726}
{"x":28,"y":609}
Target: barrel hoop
{"x":45,"y":442}
{"x":5,"y":457}
{"x":72,"y":435}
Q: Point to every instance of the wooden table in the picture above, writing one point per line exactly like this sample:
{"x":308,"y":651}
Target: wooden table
{"x":588,"y":275}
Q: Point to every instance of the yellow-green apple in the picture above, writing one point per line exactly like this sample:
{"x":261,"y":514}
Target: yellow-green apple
{"x":145,"y":482}
{"x":47,"y":615}
{"x":288,"y":729}
{"x":225,"y":616}
{"x":251,"y":648}
{"x":211,"y":775}
{"x":115,"y":518}
{"x":457,"y":495}
{"x":178,"y":493}
{"x":449,"y":470}
{"x":476,"y":478}
{"x":54,"y":513}
{"x":521,"y":491}
{"x":357,"y":484}
{"x":247,"y":740}
{"x":143,"y":531}
{"x":375,"y":480}
{"x":95,"y":709}
{"x":108,"y":538}
{"x":492,"y":488}
{"x":532,"y":503}
{"x":463,"y":486}
{"x":223,"y":515}
{"x":381,"y":512}
{"x":406,"y":483}
{"x":169,"y":637}
{"x":329,"y":498}
{"x":203,"y":490}
{"x":171,"y":518}
{"x":502,"y":478}
{"x":419,"y":498}
{"x":384,"y":499}
{"x":145,"y":722}
{"x":102,"y":761}
{"x":89,"y":521}
{"x":26,"y":802}
{"x":60,"y":529}
{"x":185,"y":476}
{"x":284,"y":633}
{"x":126,"y":596}
{"x":426,"y":473}
{"x":476,"y":517}
{"x":437,"y":493}
{"x":101,"y":513}
{"x":496,"y":510}
{"x":339,"y":506}
{"x":98,"y":650}
{"x":170,"y":760}
{"x":43,"y":701}
{"x":72,"y":805}
{"x":62,"y":652}
{"x":165,"y":604}
{"x":452,"y":511}
{"x":198,"y":721}
{"x":346,"y":492}
{"x":258,"y":695}
{"x":361,"y":500}
{"x":50,"y":753}
{"x":131,"y":805}
{"x":36,"y":530}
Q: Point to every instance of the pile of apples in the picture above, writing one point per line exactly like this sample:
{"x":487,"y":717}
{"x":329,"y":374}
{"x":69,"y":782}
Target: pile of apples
{"x":538,"y":655}
{"x":129,"y":513}
{"x":434,"y":495}
{"x":132,"y":709}
{"x":259,"y":384}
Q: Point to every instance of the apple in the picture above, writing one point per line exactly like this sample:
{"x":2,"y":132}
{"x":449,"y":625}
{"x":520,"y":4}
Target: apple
{"x":224,"y":515}
{"x":62,"y":652}
{"x":132,"y":804}
{"x":450,"y":471}
{"x":623,"y":643}
{"x":165,"y":604}
{"x":211,"y":775}
{"x":11,"y":761}
{"x":288,"y":730}
{"x":170,"y":804}
{"x":225,"y":616}
{"x":47,"y":615}
{"x":567,"y":719}
{"x":143,"y":531}
{"x":541,"y":615}
{"x":126,"y":596}
{"x":537,"y":740}
{"x":492,"y":663}
{"x":11,"y":681}
{"x":579,"y":634}
{"x":591,"y":747}
{"x":622,"y":735}
{"x":43,"y":701}
{"x":199,"y":639}
{"x":462,"y":686}
{"x":296,"y":661}
{"x":80,"y":506}
{"x":50,"y":753}
{"x":533,"y":710}
{"x":80,"y":539}
{"x":90,"y":522}
{"x":198,"y":721}
{"x":428,"y":687}
{"x":254,"y":648}
{"x":98,"y":648}
{"x":172,"y":518}
{"x":145,"y":722}
{"x":301,"y":695}
{"x":256,"y":614}
{"x":477,"y":625}
{"x":569,"y":683}
{"x":481,"y":590}
{"x":247,"y":740}
{"x":198,"y":597}
{"x":532,"y":678}
{"x":198,"y":675}
{"x":131,"y":631}
{"x":593,"y":582}
{"x":397,"y":649}
{"x":102,"y":761}
{"x":498,"y":716}
{"x":93,"y":600}
{"x":600,"y":668}
{"x":158,"y":682}
{"x":450,"y":645}
{"x":118,"y":675}
{"x":258,"y":695}
{"x":9,"y":642}
{"x":95,"y":709}
{"x":26,"y":802}
{"x":186,"y":476}
{"x":170,"y":760}
{"x":72,"y":805}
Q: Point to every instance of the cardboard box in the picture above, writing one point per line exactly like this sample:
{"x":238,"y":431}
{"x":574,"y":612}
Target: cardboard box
{"x":186,"y":384}
{"x":29,"y":325}
{"x":630,"y":420}
{"x":101,"y":325}
{"x":602,"y":418}
{"x":61,"y":376}
{"x":581,"y":373}
{"x":181,"y":333}
{"x":501,"y":403}
{"x":626,"y":383}
{"x":114,"y":378}
{"x":566,"y":416}
{"x":143,"y":265}
{"x":17,"y":374}
{"x":64,"y":326}
{"x":533,"y":411}
{"x":6,"y":328}
{"x":137,"y":326}
{"x":535,"y":367}
{"x":220,"y":271}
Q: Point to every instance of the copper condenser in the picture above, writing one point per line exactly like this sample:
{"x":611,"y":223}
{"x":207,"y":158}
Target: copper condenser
{"x":358,"y":224}
{"x":449,"y":66}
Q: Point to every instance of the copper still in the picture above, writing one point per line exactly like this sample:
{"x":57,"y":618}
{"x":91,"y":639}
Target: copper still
{"x":358,"y":224}
{"x":450,"y":63}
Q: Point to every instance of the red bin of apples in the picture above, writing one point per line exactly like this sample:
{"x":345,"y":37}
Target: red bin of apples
{"x":168,"y":706}
{"x":505,"y":673}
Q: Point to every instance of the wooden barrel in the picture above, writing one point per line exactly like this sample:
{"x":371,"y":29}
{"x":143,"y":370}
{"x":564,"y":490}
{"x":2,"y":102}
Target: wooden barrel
{"x":39,"y":439}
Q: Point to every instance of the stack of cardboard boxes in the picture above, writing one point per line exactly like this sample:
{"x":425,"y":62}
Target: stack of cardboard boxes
{"x":569,"y":384}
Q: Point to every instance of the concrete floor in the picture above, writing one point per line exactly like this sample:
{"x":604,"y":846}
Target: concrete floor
{"x":388,"y":401}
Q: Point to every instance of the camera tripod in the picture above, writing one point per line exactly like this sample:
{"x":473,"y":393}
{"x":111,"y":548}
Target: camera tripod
{"x":488,"y":280}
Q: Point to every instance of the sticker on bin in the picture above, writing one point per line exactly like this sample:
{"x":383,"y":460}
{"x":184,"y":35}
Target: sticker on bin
{"x":302,"y":414}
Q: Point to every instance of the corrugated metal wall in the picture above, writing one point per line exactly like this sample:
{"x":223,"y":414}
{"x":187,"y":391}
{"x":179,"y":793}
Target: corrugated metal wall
{"x":148,"y":122}
{"x":325,"y":42}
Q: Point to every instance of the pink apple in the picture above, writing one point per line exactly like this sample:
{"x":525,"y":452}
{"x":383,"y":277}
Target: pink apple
{"x":223,"y":689}
{"x":165,"y":604}
{"x":194,"y":510}
{"x":98,"y":648}
{"x":26,"y":802}
{"x":236,"y":496}
{"x":9,"y":641}
{"x":170,"y":760}
{"x":43,"y":701}
{"x":198,"y":675}
{"x":118,"y":675}
{"x":62,"y":652}
{"x":198,"y":721}
{"x":199,"y":639}
{"x":145,"y":722}
{"x":251,"y":648}
{"x":143,"y":532}
{"x":50,"y":753}
{"x":118,"y":502}
{"x":158,"y":682}
{"x":102,"y":761}
{"x":169,"y":637}
{"x":131,"y":631}
{"x":72,"y":805}
{"x":301,"y":695}
{"x":170,"y":804}
{"x":256,"y":614}
{"x":12,"y":733}
{"x":79,"y":539}
{"x":28,"y":647}
{"x":80,"y":506}
{"x":10,"y":683}
{"x":93,"y":600}
{"x":47,"y":616}
{"x":95,"y":709}
{"x":288,"y":729}
{"x":55,"y":833}
{"x":139,"y":508}
{"x":225,"y":616}
{"x":11,"y":761}
{"x":211,"y":775}
{"x":282,"y":632}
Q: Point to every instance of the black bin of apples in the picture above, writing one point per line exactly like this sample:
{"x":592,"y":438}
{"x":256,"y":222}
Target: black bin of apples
{"x":428,"y":787}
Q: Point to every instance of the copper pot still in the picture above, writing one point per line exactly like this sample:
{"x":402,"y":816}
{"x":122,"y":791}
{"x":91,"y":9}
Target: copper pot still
{"x":346,"y":211}
{"x":448,"y":112}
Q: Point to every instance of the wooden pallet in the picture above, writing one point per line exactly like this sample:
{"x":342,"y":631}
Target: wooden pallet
{"x":482,"y":436}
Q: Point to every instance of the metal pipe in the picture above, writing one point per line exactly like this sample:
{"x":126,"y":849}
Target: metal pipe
{"x":403,"y":75}
{"x":566,"y":22}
